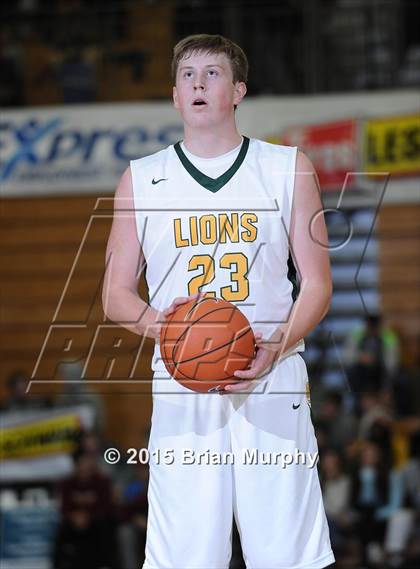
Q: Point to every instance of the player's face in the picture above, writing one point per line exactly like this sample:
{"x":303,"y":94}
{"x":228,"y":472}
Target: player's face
{"x":204,"y":93}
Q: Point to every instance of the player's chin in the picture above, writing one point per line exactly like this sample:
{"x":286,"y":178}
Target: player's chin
{"x":199,"y":119}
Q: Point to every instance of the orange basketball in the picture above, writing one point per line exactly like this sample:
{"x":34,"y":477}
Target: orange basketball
{"x":204,"y":342}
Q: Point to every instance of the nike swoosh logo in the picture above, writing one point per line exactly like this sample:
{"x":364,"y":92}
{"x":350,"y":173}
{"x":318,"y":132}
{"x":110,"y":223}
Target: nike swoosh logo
{"x":157,"y":181}
{"x":296,"y":406}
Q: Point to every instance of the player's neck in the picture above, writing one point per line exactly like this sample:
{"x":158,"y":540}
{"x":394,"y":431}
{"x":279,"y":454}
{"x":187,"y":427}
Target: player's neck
{"x":210,"y":144}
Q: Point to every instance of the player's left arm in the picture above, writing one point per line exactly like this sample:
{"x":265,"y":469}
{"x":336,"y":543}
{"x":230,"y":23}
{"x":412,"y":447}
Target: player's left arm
{"x":310,"y":249}
{"x":309,"y":246}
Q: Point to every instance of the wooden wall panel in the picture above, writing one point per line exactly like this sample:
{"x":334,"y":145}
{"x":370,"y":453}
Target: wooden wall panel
{"x":40,"y":239}
{"x":399,"y":258}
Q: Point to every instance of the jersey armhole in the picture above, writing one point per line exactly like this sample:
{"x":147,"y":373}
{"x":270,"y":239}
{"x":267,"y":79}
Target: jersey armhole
{"x":290,"y":187}
{"x":291,"y":182}
{"x":135,"y":186}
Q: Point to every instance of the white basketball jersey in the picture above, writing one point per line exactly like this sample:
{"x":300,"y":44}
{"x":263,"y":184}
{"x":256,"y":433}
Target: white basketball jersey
{"x":226,"y":235}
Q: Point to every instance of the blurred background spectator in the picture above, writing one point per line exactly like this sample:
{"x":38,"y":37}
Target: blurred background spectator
{"x":75,"y":391}
{"x":133,"y":519}
{"x":18,"y":397}
{"x":336,"y":486}
{"x":376,"y":494}
{"x":371,"y":356}
{"x":86,"y":535}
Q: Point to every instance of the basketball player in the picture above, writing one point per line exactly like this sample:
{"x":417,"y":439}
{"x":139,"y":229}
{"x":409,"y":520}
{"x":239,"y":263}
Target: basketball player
{"x":217,"y":213}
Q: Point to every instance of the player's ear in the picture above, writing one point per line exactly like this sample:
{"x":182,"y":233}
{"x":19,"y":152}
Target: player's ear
{"x":175,"y":97}
{"x":239,"y":93}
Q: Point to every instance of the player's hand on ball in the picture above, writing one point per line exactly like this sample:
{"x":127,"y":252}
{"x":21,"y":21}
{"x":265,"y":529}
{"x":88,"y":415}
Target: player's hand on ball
{"x":162,"y":316}
{"x":261,"y":363}
{"x":181,"y":300}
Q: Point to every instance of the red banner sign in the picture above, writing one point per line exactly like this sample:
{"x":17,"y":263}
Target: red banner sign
{"x":332,"y":147}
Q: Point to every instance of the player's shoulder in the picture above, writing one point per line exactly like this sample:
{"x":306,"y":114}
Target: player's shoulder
{"x":285,"y":153}
{"x":280,"y":153}
{"x":271,"y":146}
{"x":151,"y":159}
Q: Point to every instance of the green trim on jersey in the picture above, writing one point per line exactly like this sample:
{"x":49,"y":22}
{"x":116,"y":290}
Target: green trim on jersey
{"x":213,"y":184}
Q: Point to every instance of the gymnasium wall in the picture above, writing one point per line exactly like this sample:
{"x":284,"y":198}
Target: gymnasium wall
{"x":399,"y":264}
{"x":52,"y":272}
{"x":54,"y":236}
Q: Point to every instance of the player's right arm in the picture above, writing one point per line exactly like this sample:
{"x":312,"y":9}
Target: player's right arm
{"x":124,"y":259}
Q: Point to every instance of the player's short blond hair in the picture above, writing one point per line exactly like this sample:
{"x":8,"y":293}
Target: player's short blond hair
{"x":212,"y":44}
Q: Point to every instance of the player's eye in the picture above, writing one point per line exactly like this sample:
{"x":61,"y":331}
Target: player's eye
{"x":188,"y":74}
{"x":212,"y":72}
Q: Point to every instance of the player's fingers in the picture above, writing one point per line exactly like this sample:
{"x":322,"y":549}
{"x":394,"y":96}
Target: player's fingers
{"x":238,"y":387}
{"x":198,"y":296}
{"x":179,"y":300}
{"x":168,"y":311}
{"x":184,"y":299}
{"x":258,"y":337}
{"x":246,"y":373}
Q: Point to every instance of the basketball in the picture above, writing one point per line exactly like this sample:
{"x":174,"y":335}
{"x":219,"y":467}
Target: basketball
{"x":204,"y":342}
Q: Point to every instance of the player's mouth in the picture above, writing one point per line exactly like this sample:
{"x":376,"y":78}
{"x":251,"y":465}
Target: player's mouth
{"x":199,"y":102}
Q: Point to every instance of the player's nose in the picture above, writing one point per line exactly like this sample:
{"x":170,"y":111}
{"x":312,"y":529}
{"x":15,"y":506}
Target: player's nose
{"x":199,"y":83}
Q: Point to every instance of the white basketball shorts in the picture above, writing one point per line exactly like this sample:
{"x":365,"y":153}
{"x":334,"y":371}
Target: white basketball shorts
{"x":249,"y":455}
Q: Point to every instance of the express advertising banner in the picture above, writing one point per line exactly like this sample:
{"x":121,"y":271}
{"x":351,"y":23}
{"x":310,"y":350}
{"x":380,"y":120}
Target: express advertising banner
{"x":82,"y":148}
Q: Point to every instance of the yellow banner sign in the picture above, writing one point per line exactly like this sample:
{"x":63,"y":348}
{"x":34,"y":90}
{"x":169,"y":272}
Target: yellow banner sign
{"x":40,"y":438}
{"x":392,"y":145}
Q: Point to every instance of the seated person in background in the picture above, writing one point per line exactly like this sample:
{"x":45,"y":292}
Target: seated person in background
{"x":335,"y":484}
{"x":95,"y":444}
{"x":376,"y":419}
{"x":371,"y":355}
{"x":86,"y":534}
{"x":411,"y":475}
{"x":78,"y":392}
{"x":402,"y":540}
{"x":340,"y":426}
{"x":376,"y":493}
{"x":133,"y":520}
{"x":18,"y":398}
